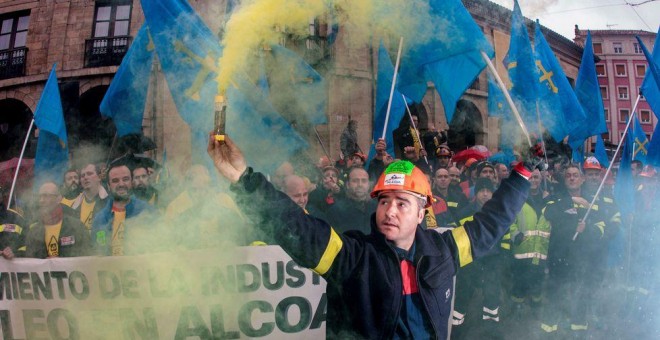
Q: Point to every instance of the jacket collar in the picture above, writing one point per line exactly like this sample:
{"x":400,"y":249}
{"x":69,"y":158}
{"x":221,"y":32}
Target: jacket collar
{"x":424,"y":245}
{"x":103,"y":194}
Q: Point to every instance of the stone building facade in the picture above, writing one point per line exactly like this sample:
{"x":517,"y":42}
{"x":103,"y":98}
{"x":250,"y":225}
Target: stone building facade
{"x":85,"y":37}
{"x":621,"y":71}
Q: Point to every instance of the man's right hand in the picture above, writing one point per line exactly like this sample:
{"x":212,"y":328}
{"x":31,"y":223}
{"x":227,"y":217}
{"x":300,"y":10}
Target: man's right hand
{"x":227,"y":158}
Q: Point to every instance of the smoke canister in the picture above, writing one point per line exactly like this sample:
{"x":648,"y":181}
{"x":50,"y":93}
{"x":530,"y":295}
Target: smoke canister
{"x":220,"y":118}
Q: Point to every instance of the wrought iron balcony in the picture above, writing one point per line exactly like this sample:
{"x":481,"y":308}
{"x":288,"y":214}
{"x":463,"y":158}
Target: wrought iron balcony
{"x":106,"y":51}
{"x":12,"y":62}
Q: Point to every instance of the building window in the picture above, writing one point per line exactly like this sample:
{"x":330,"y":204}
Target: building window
{"x":598,"y":48}
{"x":645,"y":116}
{"x":638,"y":48}
{"x":112,"y":18}
{"x":13,"y":37}
{"x":603,"y":92}
{"x":640,"y":69}
{"x":641,"y":95}
{"x":607,"y":114}
{"x":623,"y":115}
{"x":600,"y":70}
{"x":618,"y":48}
{"x":622,"y":92}
{"x":620,"y":70}
{"x":13,"y":30}
{"x":606,"y":136}
{"x":110,"y":39}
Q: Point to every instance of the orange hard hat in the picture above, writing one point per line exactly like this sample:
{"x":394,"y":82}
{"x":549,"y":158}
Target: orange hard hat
{"x":591,"y":163}
{"x":403,"y":175}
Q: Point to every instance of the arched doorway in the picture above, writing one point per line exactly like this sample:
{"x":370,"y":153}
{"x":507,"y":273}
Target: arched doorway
{"x":90,"y":133}
{"x":466,"y":127}
{"x":14,"y":123}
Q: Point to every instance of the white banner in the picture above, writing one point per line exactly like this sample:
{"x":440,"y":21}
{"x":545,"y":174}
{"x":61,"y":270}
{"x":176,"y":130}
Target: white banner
{"x":246,"y":292}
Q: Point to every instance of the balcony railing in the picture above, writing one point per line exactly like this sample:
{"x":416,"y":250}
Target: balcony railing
{"x":12,"y":62}
{"x":106,"y":51}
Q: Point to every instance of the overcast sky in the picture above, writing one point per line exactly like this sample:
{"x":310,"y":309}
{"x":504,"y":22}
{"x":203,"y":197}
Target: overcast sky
{"x":562,"y":15}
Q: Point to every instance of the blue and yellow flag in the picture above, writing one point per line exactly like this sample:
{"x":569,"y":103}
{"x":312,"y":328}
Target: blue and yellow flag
{"x":653,"y":155}
{"x":398,"y":109}
{"x":264,"y":136}
{"x":188,"y":52}
{"x":498,"y":107}
{"x":449,"y":55}
{"x":600,"y":153}
{"x":559,"y":108}
{"x":651,"y":91}
{"x":523,"y":73}
{"x":651,"y":84}
{"x":303,"y":93}
{"x":640,"y":149}
{"x":587,"y":90}
{"x":52,"y":158}
{"x":126,"y":97}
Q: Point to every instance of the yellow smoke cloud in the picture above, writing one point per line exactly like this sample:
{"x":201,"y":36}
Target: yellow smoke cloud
{"x":262,"y":22}
{"x":255,"y":24}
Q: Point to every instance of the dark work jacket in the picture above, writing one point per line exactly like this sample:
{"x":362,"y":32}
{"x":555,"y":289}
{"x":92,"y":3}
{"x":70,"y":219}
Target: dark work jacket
{"x":455,"y":202}
{"x":12,"y":230}
{"x":364,"y":269}
{"x":73,"y":231}
{"x":588,"y":252}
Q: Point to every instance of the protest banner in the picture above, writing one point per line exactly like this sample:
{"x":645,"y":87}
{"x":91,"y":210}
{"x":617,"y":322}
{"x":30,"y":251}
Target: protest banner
{"x":246,"y":292}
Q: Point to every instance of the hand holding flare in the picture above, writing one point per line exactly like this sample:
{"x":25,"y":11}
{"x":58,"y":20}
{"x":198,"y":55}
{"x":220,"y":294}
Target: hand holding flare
{"x":227,"y":158}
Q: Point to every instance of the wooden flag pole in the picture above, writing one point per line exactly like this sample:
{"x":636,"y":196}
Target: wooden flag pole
{"x":396,"y":72}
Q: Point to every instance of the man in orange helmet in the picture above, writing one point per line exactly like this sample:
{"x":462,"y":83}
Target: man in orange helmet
{"x":398,"y":281}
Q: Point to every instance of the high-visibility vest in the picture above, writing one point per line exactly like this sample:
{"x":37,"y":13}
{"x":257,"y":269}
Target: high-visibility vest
{"x":536,"y":236}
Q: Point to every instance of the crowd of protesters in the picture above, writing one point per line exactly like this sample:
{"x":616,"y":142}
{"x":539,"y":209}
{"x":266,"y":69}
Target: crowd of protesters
{"x":552,"y":274}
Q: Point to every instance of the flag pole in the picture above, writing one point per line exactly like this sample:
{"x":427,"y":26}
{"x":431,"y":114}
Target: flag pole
{"x":396,"y":72}
{"x":609,"y":168}
{"x":500,"y":83}
{"x":322,"y":146}
{"x":415,"y":128}
{"x":18,"y":166}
